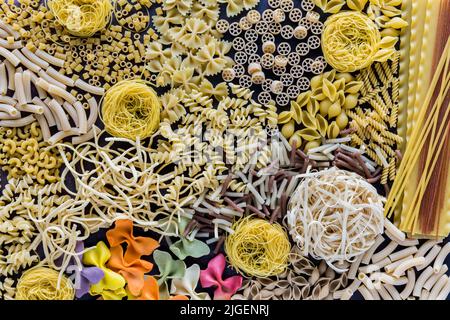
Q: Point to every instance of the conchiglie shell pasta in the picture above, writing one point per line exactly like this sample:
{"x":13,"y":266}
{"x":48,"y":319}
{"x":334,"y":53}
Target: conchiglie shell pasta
{"x":308,"y":120}
{"x":310,"y":134}
{"x":303,"y":98}
{"x":333,"y":130}
{"x":313,"y":107}
{"x":284,"y":117}
{"x":353,"y":87}
{"x":322,"y":125}
{"x":296,"y":112}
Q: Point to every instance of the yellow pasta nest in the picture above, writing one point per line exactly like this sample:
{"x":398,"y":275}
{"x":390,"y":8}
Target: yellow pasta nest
{"x":82,"y":18}
{"x":131,"y":109}
{"x":258,"y":248}
{"x":41,"y":283}
{"x":350,"y":41}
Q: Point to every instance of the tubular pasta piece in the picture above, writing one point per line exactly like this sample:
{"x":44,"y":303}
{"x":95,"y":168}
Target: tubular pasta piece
{"x":424,"y":276}
{"x":392,"y":292}
{"x":26,"y":79}
{"x":60,"y":115}
{"x":34,"y":58}
{"x":438,"y":286}
{"x":60,"y":77}
{"x":9,"y":29}
{"x":432,"y":280}
{"x":369,"y":253}
{"x":70,"y":110}
{"x":88,"y":88}
{"x":366,"y":281}
{"x":424,"y":248}
{"x":82,"y":119}
{"x":385,"y":252}
{"x":402,"y":253}
{"x":424,"y":295}
{"x":88,"y":136}
{"x":365,"y":293}
{"x":441,"y":257}
{"x":17,"y":122}
{"x":430,"y":257}
{"x":392,"y":266}
{"x":49,"y":58}
{"x":41,"y":92}
{"x":31,"y":108}
{"x":26,"y":62}
{"x":410,"y":263}
{"x":11,"y":72}
{"x":384,"y":294}
{"x":404,"y":243}
{"x":57,"y":91}
{"x":8,"y":109}
{"x":410,"y":284}
{"x":354,"y":267}
{"x":63,"y":134}
{"x":8,"y":100}
{"x":393,"y":230}
{"x":9,"y":56}
{"x":93,"y":112}
{"x":385,"y":278}
{"x":44,"y":126}
{"x":3,"y":80}
{"x":15,"y":45}
{"x":43,"y":75}
{"x":375,"y":266}
{"x":47,"y":112}
{"x":20,"y":91}
{"x":443,"y":294}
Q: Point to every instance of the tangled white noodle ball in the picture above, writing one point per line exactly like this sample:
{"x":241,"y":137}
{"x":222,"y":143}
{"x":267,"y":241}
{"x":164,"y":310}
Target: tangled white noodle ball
{"x":335,"y":215}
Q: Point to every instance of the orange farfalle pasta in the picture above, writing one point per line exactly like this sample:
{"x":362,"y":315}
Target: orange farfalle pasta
{"x":150,"y":291}
{"x":132,"y":271}
{"x":137,"y":246}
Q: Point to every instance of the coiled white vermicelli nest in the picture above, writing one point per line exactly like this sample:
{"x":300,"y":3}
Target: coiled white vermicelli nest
{"x":335,"y":215}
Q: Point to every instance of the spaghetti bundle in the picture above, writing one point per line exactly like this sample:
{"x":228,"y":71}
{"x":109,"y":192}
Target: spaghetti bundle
{"x":350,"y":41}
{"x":82,"y":18}
{"x":426,"y":155}
{"x":131,"y":109}
{"x":335,"y":215}
{"x":41,"y":283}
{"x":258,"y":247}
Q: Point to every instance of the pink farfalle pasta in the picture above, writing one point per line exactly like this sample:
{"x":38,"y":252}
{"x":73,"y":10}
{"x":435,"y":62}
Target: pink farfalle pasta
{"x":212,"y":277}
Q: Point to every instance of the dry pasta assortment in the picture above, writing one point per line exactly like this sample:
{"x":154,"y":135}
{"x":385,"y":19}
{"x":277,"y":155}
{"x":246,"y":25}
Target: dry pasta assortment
{"x":212,"y":149}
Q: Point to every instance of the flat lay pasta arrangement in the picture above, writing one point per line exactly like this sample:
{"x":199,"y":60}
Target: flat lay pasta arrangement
{"x":224,"y":149}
